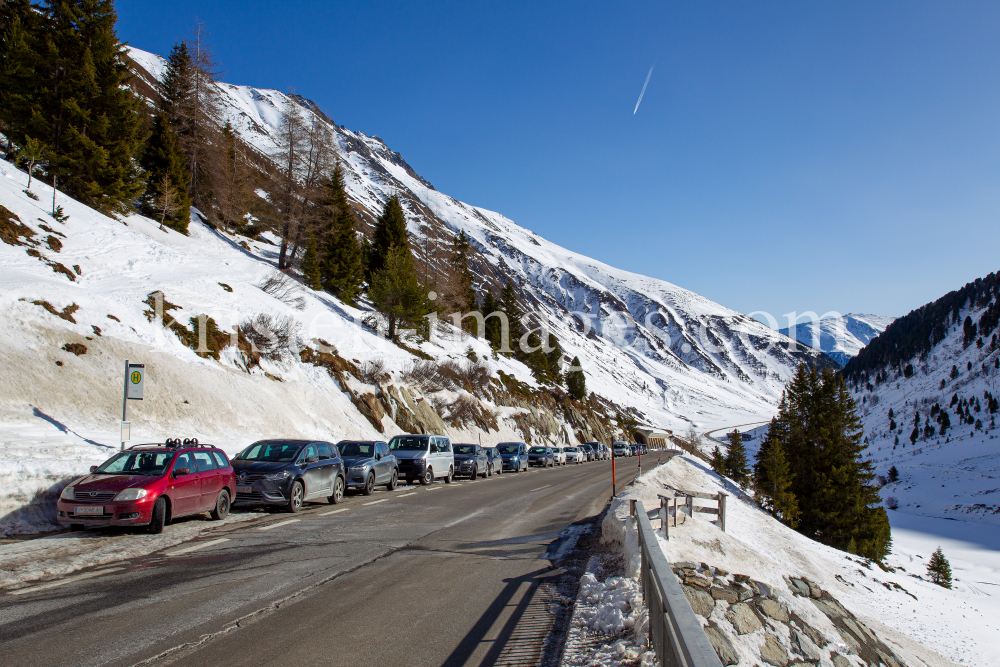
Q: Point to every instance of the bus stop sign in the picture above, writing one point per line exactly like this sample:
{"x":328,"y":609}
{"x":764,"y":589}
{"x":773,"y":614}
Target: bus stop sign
{"x":134,"y":376}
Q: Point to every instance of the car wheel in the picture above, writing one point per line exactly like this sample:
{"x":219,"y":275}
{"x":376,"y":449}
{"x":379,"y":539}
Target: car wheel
{"x":475,"y":473}
{"x":338,"y":491}
{"x":489,"y":471}
{"x":428,"y":477}
{"x":393,"y":479}
{"x":295,"y":497}
{"x":369,"y":485}
{"x":221,"y":510}
{"x":451,"y":473}
{"x":159,"y":516}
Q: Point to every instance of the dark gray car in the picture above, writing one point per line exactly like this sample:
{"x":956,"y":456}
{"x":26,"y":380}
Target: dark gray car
{"x":471,"y":461}
{"x":496,"y":461}
{"x":368,"y":464}
{"x":288,"y":473}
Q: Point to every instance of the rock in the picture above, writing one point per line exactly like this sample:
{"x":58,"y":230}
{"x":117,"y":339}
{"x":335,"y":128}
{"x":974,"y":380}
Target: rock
{"x":742,"y":578}
{"x":840,"y":661}
{"x":762,"y":588}
{"x":745,"y":593}
{"x":773,"y":653}
{"x":817,"y":637}
{"x":721,"y":573}
{"x":706,"y":567}
{"x":815,"y":591}
{"x":805,"y":646}
{"x":697,"y":581}
{"x":851,"y":640}
{"x":727,"y":594}
{"x":685,"y":565}
{"x":370,"y":407}
{"x":743,"y":618}
{"x":775,"y":610}
{"x":831,"y":608}
{"x":720,"y":642}
{"x":701,"y":602}
{"x":799,"y":587}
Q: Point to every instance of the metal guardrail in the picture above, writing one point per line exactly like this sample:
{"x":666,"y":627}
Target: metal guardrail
{"x":676,"y":634}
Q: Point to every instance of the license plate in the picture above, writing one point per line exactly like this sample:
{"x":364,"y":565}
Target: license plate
{"x":243,"y":488}
{"x":89,"y":509}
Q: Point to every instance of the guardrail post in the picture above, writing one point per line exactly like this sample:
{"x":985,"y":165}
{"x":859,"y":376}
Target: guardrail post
{"x":722,"y":511}
{"x":664,"y":516}
{"x":675,"y":511}
{"x":689,"y":501}
{"x":631,"y":506}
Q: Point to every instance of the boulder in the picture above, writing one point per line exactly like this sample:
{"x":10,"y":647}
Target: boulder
{"x":772,"y":608}
{"x":720,"y":642}
{"x":773,"y":653}
{"x":697,"y":581}
{"x":799,"y":587}
{"x":724,"y":593}
{"x":815,"y":591}
{"x":701,"y":602}
{"x":743,"y":618}
{"x":805,"y":647}
{"x":742,"y":578}
{"x":762,"y":588}
{"x":369,"y":406}
{"x":840,"y":661}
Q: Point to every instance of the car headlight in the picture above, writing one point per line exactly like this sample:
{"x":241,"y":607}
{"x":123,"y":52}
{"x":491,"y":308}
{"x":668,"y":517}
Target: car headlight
{"x":68,"y":493}
{"x":359,"y":468}
{"x":276,"y":475}
{"x":131,"y":494}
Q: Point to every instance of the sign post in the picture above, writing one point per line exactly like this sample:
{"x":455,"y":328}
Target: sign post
{"x":132,"y":391}
{"x":614,"y":487}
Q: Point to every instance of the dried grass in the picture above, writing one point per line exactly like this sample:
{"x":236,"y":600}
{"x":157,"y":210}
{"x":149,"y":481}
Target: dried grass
{"x":271,"y":335}
{"x":472,"y":376}
{"x":371,"y":371}
{"x":284,"y":289}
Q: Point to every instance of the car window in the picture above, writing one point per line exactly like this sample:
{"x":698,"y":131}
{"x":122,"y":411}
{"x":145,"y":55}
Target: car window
{"x":383,"y":448}
{"x":357,"y":449}
{"x":324,"y":452}
{"x":410,"y":442}
{"x":185,"y":460}
{"x":444,"y":444}
{"x":309,"y":451}
{"x":204,"y":461}
{"x":465,"y":449}
{"x":137,"y":463}
{"x":270,"y":451}
{"x":220,"y":459}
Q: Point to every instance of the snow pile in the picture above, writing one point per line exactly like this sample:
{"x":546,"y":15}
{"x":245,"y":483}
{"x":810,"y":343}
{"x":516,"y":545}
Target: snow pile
{"x":612,"y":605}
{"x":917,"y":620}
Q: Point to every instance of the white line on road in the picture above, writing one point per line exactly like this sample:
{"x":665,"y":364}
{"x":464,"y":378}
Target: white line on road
{"x":276,"y":525}
{"x":411,"y":493}
{"x":60,"y":582}
{"x":196,"y":547}
{"x":342,"y":509}
{"x":580,"y":475}
{"x":376,"y":502}
{"x":540,"y":488}
{"x":435,"y":488}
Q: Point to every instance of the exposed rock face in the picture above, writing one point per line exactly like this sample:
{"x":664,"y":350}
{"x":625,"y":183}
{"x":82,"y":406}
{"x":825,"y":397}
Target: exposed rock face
{"x":701,"y":602}
{"x":370,"y":407}
{"x":720,"y":642}
{"x":772,"y":608}
{"x":773,"y":653}
{"x":743,"y":618}
{"x":727,"y":594}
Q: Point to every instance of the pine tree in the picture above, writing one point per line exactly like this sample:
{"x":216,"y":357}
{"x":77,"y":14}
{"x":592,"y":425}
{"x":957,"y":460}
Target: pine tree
{"x":718,"y":462}
{"x":390,"y":230}
{"x":395,"y":290}
{"x":493,"y":329}
{"x":342,"y":254}
{"x":163,"y":159}
{"x":576,"y":383}
{"x":509,"y":305}
{"x":893,"y":475}
{"x":462,"y":296}
{"x":21,"y":82}
{"x":939,"y":569}
{"x":310,"y":266}
{"x":774,"y":493}
{"x":737,"y":468}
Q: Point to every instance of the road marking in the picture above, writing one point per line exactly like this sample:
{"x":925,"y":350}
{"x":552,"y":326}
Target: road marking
{"x":540,"y":488}
{"x":411,"y":493}
{"x":69,"y":580}
{"x":276,"y":525}
{"x":435,"y":488}
{"x":196,"y":547}
{"x":376,"y":502}
{"x":342,"y":509}
{"x":580,"y":475}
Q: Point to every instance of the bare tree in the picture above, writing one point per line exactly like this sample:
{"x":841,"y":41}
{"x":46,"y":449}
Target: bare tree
{"x":234,"y":178}
{"x":200,"y":113}
{"x":166,"y":200}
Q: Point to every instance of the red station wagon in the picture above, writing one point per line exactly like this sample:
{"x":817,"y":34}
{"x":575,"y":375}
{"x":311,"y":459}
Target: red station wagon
{"x":150,"y":485}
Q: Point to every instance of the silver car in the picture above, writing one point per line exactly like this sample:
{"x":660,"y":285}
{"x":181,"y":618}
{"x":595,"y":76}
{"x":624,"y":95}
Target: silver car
{"x":423,"y":457}
{"x":368,"y":463}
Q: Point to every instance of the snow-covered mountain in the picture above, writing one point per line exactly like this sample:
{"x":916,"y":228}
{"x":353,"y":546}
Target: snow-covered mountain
{"x":934,"y":374}
{"x":676,"y":356}
{"x":840,"y":337}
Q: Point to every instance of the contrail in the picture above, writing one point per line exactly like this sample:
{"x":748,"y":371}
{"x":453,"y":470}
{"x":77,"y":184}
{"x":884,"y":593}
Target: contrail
{"x":643,"y":89}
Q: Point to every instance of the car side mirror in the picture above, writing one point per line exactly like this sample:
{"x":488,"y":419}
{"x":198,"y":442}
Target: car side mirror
{"x":378,"y":457}
{"x":93,"y":468}
{"x":180,"y":472}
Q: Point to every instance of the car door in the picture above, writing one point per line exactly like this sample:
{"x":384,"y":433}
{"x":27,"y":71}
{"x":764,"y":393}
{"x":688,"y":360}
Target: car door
{"x":311,"y":471}
{"x":184,"y":490}
{"x":210,"y":477}
{"x":446,"y":456}
{"x":328,"y":468}
{"x":383,"y":463}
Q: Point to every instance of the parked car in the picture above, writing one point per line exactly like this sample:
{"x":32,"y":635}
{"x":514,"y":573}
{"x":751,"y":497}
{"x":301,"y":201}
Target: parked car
{"x":424,"y":457}
{"x":368,"y":463}
{"x":558,"y":456}
{"x":150,"y":485}
{"x":288,"y":473}
{"x":589,"y":451}
{"x":540,"y":456}
{"x":620,"y":448}
{"x":471,"y":461}
{"x":575,"y":455}
{"x":496,"y":461}
{"x":643,"y":449}
{"x":515,"y":455}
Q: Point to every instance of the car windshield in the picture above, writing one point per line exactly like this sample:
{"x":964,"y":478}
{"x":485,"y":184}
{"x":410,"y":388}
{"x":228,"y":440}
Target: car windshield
{"x":275,"y":452}
{"x":137,"y":463}
{"x":508,"y":449}
{"x":465,"y":449}
{"x":571,"y":449}
{"x":537,"y":450}
{"x":356,"y":449}
{"x":408,"y":442}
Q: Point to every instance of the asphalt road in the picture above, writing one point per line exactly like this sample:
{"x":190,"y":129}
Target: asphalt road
{"x":456,"y":574}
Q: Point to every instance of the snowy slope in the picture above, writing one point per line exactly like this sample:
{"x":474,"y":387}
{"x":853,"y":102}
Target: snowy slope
{"x":840,"y":337}
{"x":676,"y":356}
{"x":920,"y":621}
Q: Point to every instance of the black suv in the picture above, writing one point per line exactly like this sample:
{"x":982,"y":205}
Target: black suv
{"x":288,"y":473}
{"x":471,"y":461}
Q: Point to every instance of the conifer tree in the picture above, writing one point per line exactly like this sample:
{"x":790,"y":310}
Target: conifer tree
{"x":718,"y":462}
{"x":163,"y":159}
{"x":737,"y":468}
{"x":395,"y":290}
{"x":509,"y":305}
{"x":893,"y":475}
{"x":939,"y":569}
{"x":310,"y":266}
{"x":341,"y":263}
{"x":390,"y":230}
{"x":21,"y":84}
{"x":463,"y":296}
{"x":576,"y":383}
{"x":493,"y":329}
{"x":774,"y":490}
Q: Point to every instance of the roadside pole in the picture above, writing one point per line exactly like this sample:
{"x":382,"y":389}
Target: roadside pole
{"x":135,"y":374}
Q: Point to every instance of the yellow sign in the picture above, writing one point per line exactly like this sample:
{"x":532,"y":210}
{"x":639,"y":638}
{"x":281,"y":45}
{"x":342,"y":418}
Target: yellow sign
{"x":136,"y":377}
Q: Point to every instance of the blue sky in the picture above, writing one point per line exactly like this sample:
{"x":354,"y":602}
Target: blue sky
{"x":786,"y":156}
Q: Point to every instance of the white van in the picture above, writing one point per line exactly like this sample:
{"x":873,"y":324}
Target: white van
{"x":424,"y":457}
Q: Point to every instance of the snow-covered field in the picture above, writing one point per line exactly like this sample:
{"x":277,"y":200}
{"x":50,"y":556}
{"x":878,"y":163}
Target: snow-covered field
{"x":923,"y":623}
